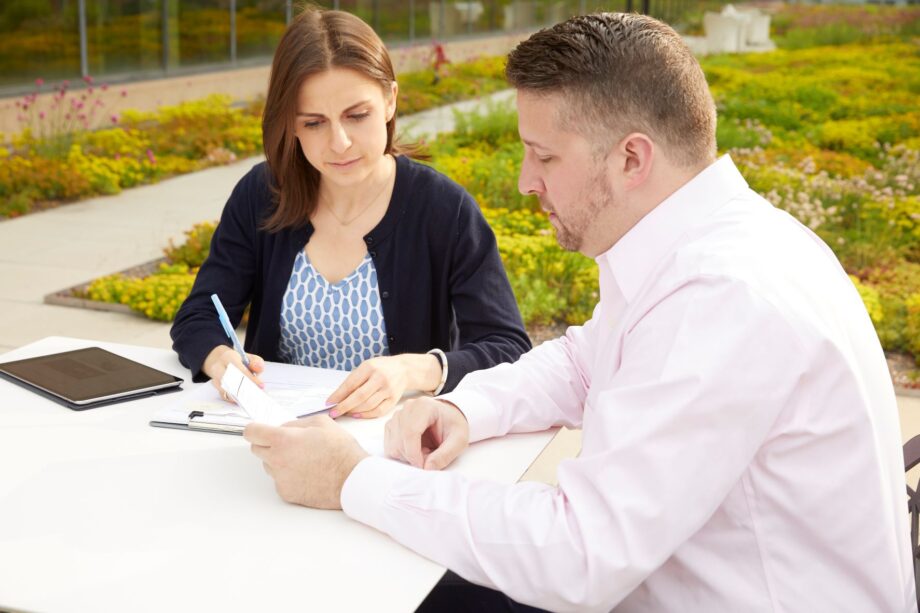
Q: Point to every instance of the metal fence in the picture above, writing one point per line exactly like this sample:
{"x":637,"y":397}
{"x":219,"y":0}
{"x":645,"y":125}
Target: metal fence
{"x":121,"y":40}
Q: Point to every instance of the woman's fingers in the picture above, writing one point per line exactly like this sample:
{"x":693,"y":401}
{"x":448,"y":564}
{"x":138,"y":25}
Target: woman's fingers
{"x":376,"y":410}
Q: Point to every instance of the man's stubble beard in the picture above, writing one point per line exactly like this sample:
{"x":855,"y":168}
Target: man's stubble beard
{"x":596,"y":196}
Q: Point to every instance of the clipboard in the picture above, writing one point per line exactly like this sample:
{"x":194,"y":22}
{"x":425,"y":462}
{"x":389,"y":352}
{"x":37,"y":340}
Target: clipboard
{"x":201,"y":421}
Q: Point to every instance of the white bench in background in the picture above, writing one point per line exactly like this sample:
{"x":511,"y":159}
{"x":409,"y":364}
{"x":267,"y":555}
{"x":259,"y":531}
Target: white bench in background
{"x":735,"y":31}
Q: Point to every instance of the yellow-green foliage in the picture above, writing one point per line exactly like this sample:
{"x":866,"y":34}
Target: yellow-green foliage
{"x":148,"y":146}
{"x":157,"y":296}
{"x":144,"y":148}
{"x":195,"y":249}
{"x":461,"y":81}
{"x":912,"y":332}
{"x":870,"y":298}
{"x":831,"y":135}
{"x":551,"y":285}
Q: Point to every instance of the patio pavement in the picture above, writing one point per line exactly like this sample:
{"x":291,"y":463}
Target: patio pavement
{"x":48,"y":251}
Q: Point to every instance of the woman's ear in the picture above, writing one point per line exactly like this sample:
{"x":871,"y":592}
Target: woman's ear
{"x":391,"y":103}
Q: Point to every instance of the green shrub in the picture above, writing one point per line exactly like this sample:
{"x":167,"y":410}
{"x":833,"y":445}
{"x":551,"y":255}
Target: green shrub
{"x":912,"y":327}
{"x":196,"y":247}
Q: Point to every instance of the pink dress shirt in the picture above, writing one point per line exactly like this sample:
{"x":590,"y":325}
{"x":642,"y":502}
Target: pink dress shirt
{"x":741,"y":447}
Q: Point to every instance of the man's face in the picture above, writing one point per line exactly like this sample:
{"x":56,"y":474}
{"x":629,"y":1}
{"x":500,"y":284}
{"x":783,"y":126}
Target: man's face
{"x":563,"y":171}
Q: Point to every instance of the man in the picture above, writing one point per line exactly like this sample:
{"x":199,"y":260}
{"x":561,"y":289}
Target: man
{"x":741,"y":448}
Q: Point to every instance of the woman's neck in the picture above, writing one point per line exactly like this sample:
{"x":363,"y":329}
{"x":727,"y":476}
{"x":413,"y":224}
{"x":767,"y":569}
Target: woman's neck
{"x":347,"y":201}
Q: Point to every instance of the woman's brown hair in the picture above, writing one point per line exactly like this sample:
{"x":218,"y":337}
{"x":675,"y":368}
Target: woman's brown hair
{"x":315,"y":41}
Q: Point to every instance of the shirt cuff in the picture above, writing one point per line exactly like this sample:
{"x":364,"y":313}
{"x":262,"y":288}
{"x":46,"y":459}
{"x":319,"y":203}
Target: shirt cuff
{"x":365,"y":491}
{"x":481,"y":415}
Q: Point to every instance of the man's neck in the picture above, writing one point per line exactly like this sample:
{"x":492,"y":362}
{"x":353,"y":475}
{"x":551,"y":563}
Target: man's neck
{"x":661,"y":183}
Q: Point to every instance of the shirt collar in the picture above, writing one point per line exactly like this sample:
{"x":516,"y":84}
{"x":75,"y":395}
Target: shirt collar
{"x":632,"y":258}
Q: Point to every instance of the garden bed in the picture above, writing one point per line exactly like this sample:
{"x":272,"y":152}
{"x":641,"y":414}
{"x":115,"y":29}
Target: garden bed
{"x":904,"y":374}
{"x":76,"y":296}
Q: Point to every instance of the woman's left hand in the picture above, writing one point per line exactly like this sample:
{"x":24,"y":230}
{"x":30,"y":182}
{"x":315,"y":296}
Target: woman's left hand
{"x":374,"y":387}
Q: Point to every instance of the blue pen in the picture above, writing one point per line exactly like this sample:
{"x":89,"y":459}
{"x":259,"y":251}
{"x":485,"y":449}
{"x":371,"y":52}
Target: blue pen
{"x":231,"y":334}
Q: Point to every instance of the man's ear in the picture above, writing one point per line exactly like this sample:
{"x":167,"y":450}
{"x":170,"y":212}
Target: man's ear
{"x":637,"y":154}
{"x":391,"y":103}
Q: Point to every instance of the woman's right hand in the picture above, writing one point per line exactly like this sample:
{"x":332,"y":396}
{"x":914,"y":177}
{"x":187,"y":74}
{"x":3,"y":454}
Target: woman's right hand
{"x":216,"y":364}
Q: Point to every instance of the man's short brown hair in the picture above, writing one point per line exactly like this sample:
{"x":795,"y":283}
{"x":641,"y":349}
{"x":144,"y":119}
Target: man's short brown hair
{"x":622,"y":73}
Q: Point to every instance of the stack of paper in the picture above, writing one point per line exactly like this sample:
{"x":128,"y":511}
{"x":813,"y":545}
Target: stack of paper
{"x":290,"y":392}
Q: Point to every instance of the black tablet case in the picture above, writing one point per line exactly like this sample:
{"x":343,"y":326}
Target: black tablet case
{"x":89,"y":405}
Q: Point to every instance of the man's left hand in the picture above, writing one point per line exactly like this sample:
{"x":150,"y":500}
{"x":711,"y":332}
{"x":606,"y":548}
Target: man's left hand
{"x":309,"y":459}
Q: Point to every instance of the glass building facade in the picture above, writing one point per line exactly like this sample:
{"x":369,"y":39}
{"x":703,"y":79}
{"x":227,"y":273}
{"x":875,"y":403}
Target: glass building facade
{"x":119,"y":40}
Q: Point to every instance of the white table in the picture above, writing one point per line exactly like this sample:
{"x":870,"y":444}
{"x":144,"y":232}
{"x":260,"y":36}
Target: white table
{"x":101,"y":512}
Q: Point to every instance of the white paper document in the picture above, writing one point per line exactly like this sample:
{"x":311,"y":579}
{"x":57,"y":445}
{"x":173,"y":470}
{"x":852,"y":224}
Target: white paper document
{"x":290,"y":392}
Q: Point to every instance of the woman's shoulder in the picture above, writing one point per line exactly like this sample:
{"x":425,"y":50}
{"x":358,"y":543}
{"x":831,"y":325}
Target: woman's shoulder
{"x":256,"y":183}
{"x":252,"y":194}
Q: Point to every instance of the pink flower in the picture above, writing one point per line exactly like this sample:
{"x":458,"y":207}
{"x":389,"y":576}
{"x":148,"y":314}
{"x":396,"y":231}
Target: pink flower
{"x":124,"y":93}
{"x":87,"y":79}
{"x":114,"y":119}
{"x":89,"y":91}
{"x":41,"y":115}
{"x":104,"y":87}
{"x":151,"y":157}
{"x":39,"y":82}
{"x":67,"y":116}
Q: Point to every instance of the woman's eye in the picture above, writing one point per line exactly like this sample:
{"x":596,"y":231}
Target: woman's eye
{"x":545,"y":159}
{"x":360,"y":116}
{"x":310,"y":125}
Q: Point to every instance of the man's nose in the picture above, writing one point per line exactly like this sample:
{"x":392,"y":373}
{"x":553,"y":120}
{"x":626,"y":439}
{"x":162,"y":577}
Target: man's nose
{"x":529,"y":181}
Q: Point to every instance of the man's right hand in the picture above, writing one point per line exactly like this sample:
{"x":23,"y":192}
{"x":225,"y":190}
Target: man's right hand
{"x":215,"y":365}
{"x":427,"y":433}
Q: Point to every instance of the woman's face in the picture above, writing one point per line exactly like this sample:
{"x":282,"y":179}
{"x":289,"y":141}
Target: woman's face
{"x":341,"y":124}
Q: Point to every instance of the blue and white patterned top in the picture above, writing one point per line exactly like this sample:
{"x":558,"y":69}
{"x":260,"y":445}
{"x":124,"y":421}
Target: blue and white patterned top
{"x":332,"y":325}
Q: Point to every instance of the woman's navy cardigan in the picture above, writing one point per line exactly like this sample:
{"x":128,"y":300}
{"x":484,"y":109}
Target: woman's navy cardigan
{"x":440,"y":277}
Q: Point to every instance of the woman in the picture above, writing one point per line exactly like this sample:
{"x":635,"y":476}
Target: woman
{"x":350,"y":255}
